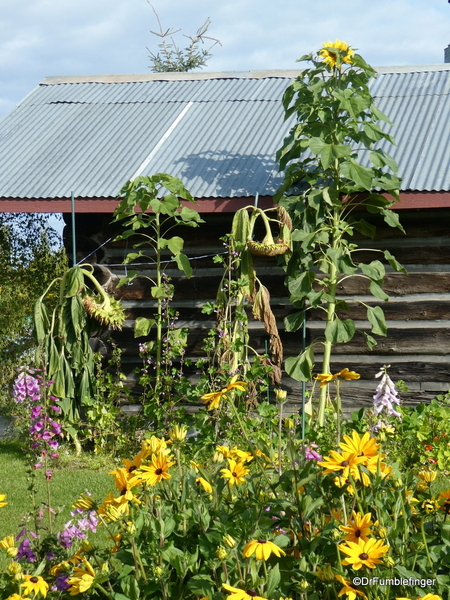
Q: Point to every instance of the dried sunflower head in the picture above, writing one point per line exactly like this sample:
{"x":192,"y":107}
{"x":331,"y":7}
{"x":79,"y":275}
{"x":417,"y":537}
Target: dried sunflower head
{"x":106,"y":310}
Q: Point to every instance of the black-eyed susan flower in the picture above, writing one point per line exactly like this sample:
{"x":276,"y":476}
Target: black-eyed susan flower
{"x":237,"y":594}
{"x":82,"y":579}
{"x":350,"y":590}
{"x":344,"y":375}
{"x":205,"y":484}
{"x":364,"y":553}
{"x":262,"y":549}
{"x":345,"y":464}
{"x":153,"y":445}
{"x":85,"y":502}
{"x":155,"y":472}
{"x":361,"y":446}
{"x":35,"y":584}
{"x":359,"y":528}
{"x":324,"y":379}
{"x":335,"y":53}
{"x":430,"y":506}
{"x":213,"y":399}
{"x":235,"y":473}
{"x":444,"y":500}
{"x":15,"y":597}
{"x":2,"y":500}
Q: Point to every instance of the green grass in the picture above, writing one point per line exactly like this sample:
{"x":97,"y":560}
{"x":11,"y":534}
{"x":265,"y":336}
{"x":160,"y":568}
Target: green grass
{"x":71,"y":477}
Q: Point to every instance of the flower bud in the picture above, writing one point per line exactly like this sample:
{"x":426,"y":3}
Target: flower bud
{"x":221,"y":553}
{"x":388,"y":561}
{"x":280,"y":395}
{"x":229,"y":541}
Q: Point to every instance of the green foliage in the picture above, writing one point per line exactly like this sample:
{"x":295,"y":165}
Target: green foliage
{"x":161,"y":194}
{"x":171,"y":58}
{"x":337,"y":127}
{"x":29,"y":261}
{"x":62,"y":337}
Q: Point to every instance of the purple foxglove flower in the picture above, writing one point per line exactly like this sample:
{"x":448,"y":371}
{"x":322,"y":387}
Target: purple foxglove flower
{"x":311,"y":454}
{"x":36,"y":411}
{"x":47,"y":435}
{"x":57,"y":409}
{"x":25,"y":551}
{"x":386,"y":396}
{"x":61,"y":584}
{"x":54,"y":455}
{"x":56,"y":427}
{"x":53,"y":444}
{"x":37,"y":426}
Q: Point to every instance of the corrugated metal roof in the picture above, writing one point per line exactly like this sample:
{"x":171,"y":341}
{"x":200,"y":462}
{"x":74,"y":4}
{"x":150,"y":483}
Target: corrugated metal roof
{"x":218,"y":134}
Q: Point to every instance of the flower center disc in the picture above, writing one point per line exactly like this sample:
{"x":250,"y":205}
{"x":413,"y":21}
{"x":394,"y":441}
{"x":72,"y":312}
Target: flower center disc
{"x":158,"y":471}
{"x":363,"y":556}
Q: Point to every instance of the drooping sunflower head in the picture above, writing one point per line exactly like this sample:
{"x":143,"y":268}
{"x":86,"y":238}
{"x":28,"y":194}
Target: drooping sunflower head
{"x":106,"y":310}
{"x":334,"y":54}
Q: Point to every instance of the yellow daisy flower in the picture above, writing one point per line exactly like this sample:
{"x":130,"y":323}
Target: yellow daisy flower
{"x":237,"y":594}
{"x":345,"y":464}
{"x":359,"y":528}
{"x":35,"y":584}
{"x":154,"y":473}
{"x":205,"y":485}
{"x":235,"y":473}
{"x":262,"y":549}
{"x":324,"y":379}
{"x":363,"y":554}
{"x":213,"y":399}
{"x":343,"y":375}
{"x":427,"y":476}
{"x":361,"y":446}
{"x":8,"y":544}
{"x":335,"y":53}
{"x":2,"y":498}
{"x":85,"y":502}
{"x":82,"y":579}
{"x":444,"y":500}
{"x":349,"y":589}
{"x":177,"y":433}
{"x":153,"y":446}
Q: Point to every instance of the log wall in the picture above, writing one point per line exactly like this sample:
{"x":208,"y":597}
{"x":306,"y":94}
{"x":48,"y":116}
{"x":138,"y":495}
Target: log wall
{"x":418,"y":314}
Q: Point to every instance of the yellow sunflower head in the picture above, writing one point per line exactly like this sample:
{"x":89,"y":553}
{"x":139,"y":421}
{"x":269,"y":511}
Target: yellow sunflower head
{"x":335,"y":53}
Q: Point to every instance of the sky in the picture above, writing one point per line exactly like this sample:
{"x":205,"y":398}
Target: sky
{"x":40,"y":38}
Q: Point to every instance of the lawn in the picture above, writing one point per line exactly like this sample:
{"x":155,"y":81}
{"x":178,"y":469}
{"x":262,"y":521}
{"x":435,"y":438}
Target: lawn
{"x":73,"y":476}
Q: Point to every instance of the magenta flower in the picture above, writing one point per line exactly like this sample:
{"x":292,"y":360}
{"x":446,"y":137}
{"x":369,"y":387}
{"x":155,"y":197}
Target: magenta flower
{"x":36,"y":411}
{"x":25,"y":551}
{"x":37,"y":426}
{"x":26,"y":386}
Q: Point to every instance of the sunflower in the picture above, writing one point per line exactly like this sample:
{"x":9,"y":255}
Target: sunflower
{"x":335,"y":53}
{"x":154,"y":473}
{"x":262,"y":549}
{"x":213,"y":399}
{"x":349,"y":589}
{"x":82,"y":579}
{"x":35,"y":584}
{"x":205,"y":485}
{"x":364,"y":553}
{"x":235,"y":473}
{"x":237,"y":594}
{"x":2,"y":498}
{"x":345,"y":464}
{"x":358,"y":528}
{"x":361,"y":446}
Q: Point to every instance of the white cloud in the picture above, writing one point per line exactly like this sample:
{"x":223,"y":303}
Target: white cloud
{"x":67,"y":37}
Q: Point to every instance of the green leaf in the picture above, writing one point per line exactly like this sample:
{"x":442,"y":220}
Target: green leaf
{"x":392,"y":219}
{"x":183,"y":264}
{"x":132,"y":256}
{"x":273,"y":580}
{"x":301,"y":285}
{"x":158,"y":292}
{"x":370,"y":341}
{"x":377,"y":291}
{"x":376,"y":316}
{"x":294,"y":321}
{"x":142,"y":326}
{"x":300,"y":367}
{"x":175,"y":244}
{"x":380,"y":158}
{"x":394,"y":263}
{"x":73,"y":282}
{"x":240,"y":228}
{"x":360,"y":175}
{"x":338,"y":331}
{"x":365,"y":228}
{"x":375,"y":270}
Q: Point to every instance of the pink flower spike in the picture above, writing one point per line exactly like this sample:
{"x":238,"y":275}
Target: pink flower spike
{"x":57,"y":409}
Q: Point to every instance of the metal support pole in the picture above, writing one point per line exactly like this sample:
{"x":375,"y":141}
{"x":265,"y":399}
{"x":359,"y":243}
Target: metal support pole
{"x":74,"y":245}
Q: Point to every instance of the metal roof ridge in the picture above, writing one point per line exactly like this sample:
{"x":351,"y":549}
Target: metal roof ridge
{"x":143,"y":77}
{"x":414,"y":68}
